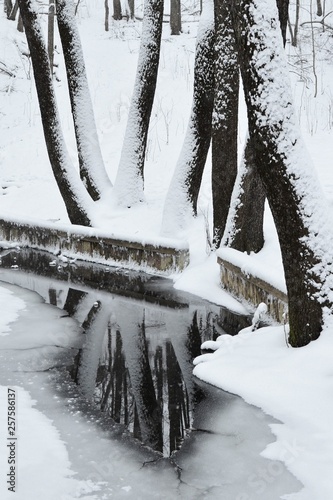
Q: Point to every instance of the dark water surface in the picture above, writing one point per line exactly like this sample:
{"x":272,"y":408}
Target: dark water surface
{"x":140,"y":337}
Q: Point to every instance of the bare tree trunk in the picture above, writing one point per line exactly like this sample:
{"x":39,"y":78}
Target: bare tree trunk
{"x":291,"y":187}
{"x":131,"y":5}
{"x":319,"y":8}
{"x":7,"y":7}
{"x":107,"y":14}
{"x":50,"y":33}
{"x":20,"y":26}
{"x":92,"y":170}
{"x":12,"y":15}
{"x":225,"y":120}
{"x":175,"y":17}
{"x":245,"y":232}
{"x":182,"y":196}
{"x":117,"y":14}
{"x":283,"y":8}
{"x":129,"y":182}
{"x":294,"y":33}
{"x":73,"y":193}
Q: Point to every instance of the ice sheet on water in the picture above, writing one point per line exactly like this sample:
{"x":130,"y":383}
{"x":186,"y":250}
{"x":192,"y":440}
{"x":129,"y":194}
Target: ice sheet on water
{"x":220,"y":459}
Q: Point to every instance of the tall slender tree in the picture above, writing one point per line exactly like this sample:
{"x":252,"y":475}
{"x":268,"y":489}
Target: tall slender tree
{"x":225,"y":120}
{"x":76,"y":199}
{"x":92,"y":170}
{"x":129,"y":183}
{"x":175,"y":17}
{"x":245,"y":231}
{"x":182,"y":196}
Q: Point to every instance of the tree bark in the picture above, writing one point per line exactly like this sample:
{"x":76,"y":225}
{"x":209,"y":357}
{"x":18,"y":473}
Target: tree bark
{"x":291,"y":187}
{"x":129,"y":182}
{"x":92,"y":170}
{"x":245,"y":227}
{"x":225,"y":120}
{"x":117,"y":14}
{"x":283,"y":8}
{"x":7,"y":7}
{"x":50,"y":33}
{"x":319,"y":8}
{"x":175,"y":17}
{"x":107,"y":14}
{"x":73,"y":193}
{"x":182,"y":196}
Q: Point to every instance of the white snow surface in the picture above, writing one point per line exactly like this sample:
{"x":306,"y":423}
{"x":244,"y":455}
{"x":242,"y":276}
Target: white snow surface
{"x":293,"y":385}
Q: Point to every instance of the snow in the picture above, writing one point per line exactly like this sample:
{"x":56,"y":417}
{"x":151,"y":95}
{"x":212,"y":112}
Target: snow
{"x":64,"y":452}
{"x":292,"y":385}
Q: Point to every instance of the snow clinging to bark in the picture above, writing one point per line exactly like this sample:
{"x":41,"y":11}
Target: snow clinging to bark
{"x":274,"y":110}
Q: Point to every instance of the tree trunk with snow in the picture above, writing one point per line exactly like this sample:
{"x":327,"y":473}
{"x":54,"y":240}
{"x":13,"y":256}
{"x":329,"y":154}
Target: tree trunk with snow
{"x":7,"y":7}
{"x":175,"y":17}
{"x":106,"y":15}
{"x":129,"y":182}
{"x":245,"y":224}
{"x":92,"y":170}
{"x":182,"y":196}
{"x":292,"y":189}
{"x":283,"y":8}
{"x":149,"y":416}
{"x":225,"y":120}
{"x":75,"y":197}
{"x":50,"y":33}
{"x":12,"y":15}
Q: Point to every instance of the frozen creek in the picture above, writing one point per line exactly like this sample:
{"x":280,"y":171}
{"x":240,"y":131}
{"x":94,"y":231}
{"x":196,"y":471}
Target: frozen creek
{"x":116,"y":412}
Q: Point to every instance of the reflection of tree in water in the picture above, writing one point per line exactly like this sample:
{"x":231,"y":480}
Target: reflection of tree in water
{"x":136,"y":365}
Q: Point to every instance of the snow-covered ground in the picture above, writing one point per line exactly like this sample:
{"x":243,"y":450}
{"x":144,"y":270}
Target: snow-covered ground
{"x":294,"y":386}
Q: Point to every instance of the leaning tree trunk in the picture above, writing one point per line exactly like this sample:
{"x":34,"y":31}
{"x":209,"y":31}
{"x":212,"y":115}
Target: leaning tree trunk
{"x":75,"y":197}
{"x":283,"y":8}
{"x":182,"y":196}
{"x":129,"y":182}
{"x":225,"y":120}
{"x":245,"y":230}
{"x":291,"y":187}
{"x":12,"y":15}
{"x":92,"y":170}
{"x":7,"y":7}
{"x":117,"y":14}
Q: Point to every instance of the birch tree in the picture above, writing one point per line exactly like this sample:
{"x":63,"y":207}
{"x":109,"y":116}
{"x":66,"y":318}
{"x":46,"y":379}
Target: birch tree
{"x":292,"y":189}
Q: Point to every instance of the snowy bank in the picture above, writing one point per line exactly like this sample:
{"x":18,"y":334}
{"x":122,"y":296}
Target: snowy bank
{"x":292,"y":385}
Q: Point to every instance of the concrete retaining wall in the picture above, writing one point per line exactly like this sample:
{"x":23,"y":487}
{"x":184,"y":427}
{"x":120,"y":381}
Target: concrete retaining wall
{"x":156,"y":258}
{"x":252,"y":290}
